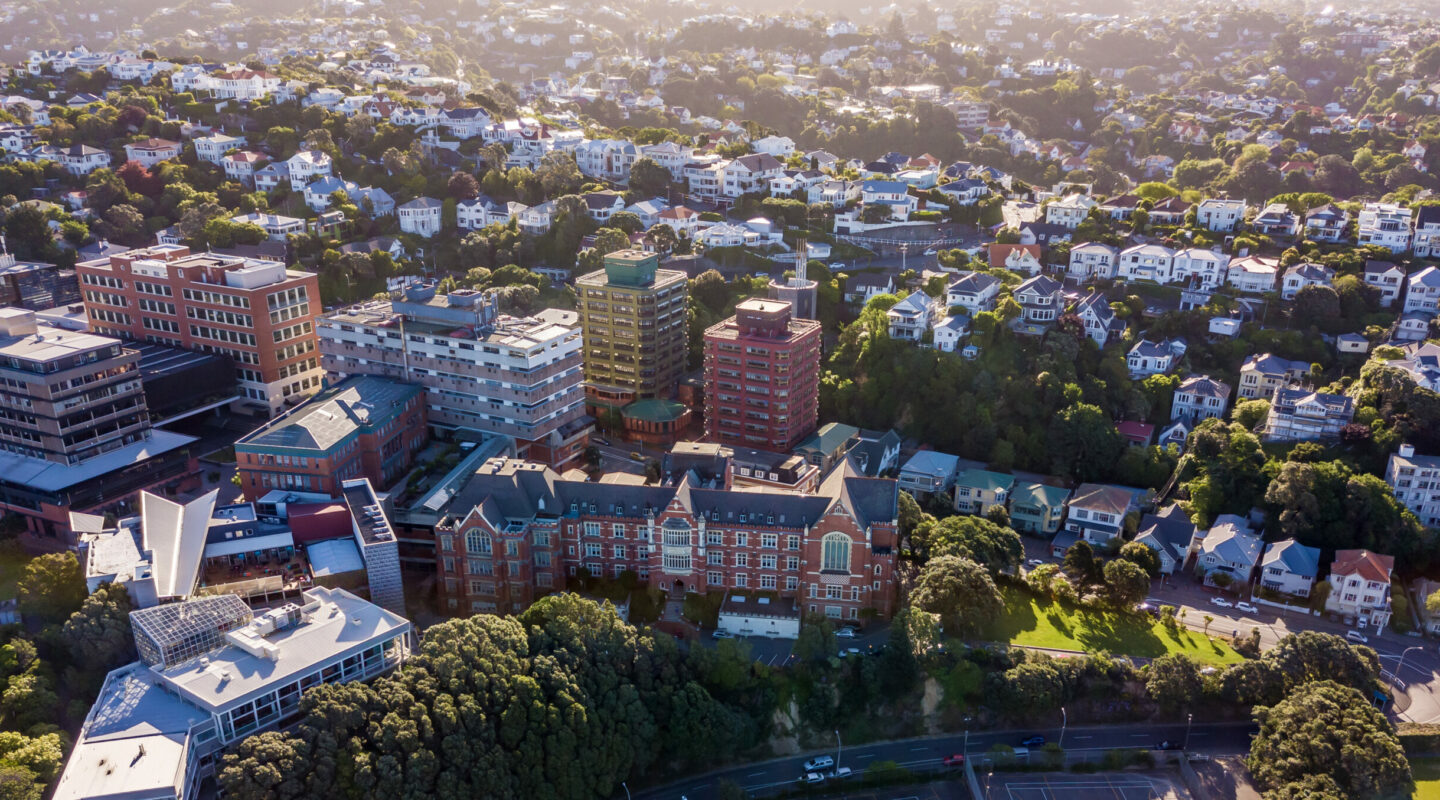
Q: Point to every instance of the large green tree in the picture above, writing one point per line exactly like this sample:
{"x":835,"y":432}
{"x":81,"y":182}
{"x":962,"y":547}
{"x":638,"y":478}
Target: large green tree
{"x":960,"y":591}
{"x":52,"y":587}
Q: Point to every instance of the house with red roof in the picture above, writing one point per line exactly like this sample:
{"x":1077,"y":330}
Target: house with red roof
{"x":1360,"y":586}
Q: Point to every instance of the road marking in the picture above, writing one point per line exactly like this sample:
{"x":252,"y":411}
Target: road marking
{"x":918,"y":749}
{"x":1082,"y":737}
{"x":1139,"y":736}
{"x":754,"y":774}
{"x":866,"y":755}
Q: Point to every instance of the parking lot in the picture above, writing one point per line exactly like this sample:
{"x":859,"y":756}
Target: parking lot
{"x":1060,"y":786}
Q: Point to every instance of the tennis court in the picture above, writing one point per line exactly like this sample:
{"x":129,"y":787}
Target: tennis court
{"x":1086,"y":787}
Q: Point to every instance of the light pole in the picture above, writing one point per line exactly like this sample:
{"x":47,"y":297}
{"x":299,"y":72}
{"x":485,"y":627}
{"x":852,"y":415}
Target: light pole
{"x":1064,"y":721}
{"x":1401,"y":665}
{"x":838,"y":747}
{"x":626,"y":788}
{"x":1189,"y":718}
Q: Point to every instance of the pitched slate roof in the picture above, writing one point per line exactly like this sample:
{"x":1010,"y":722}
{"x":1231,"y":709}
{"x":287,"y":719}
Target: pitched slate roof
{"x":1293,"y":557}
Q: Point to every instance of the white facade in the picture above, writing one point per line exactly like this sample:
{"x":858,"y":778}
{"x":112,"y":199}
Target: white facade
{"x":1220,"y":215}
{"x":1206,"y":268}
{"x":420,"y":216}
{"x":1385,"y":225}
{"x":1092,"y":260}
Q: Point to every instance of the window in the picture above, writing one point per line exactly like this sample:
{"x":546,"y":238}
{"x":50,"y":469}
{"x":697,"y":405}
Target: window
{"x":791,"y":583}
{"x":715,"y":557}
{"x":769,"y":541}
{"x":767,"y":562}
{"x":619,"y":551}
{"x":617,"y":530}
{"x":835,"y":553}
{"x":715,"y":578}
{"x":592,"y":529}
{"x":742,"y":559}
{"x":477,"y":541}
{"x":792,"y":542}
{"x":767,"y":581}
{"x":742,"y":580}
{"x":593,"y":550}
{"x":792,"y":563}
{"x":714,"y":538}
{"x":742,"y":539}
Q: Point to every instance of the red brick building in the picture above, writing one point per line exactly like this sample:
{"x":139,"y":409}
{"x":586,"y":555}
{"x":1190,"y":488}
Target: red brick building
{"x":762,"y":377}
{"x":257,"y":312}
{"x":365,"y":427}
{"x":518,"y":530}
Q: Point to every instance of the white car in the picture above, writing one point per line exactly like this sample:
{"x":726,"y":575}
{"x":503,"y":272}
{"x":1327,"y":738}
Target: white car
{"x":1357,"y":636}
{"x":812,"y":778}
{"x":1034,"y":562}
{"x":722,"y":634}
{"x":1221,"y":602}
{"x":1248,"y":608}
{"x":845,"y":633}
{"x":819,"y":763}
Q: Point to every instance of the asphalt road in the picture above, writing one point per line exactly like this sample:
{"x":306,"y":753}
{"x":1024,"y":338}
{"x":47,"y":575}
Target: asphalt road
{"x":765,"y":777}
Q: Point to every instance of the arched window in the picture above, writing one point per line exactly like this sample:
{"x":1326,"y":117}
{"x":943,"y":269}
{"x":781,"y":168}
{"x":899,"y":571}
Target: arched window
{"x":835,"y":553}
{"x":477,"y":541}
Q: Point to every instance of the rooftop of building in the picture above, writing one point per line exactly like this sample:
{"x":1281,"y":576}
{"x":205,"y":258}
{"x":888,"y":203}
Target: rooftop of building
{"x":366,"y":511}
{"x":525,"y":332}
{"x":23,"y":337}
{"x":332,"y":416}
{"x":49,"y":476}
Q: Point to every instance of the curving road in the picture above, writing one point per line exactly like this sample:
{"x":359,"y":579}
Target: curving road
{"x":768,"y":777}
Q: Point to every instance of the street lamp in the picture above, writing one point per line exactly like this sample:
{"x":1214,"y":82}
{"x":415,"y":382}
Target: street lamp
{"x":1064,"y":720}
{"x":1401,"y":665}
{"x":626,"y":788}
{"x":1189,"y":718}
{"x":838,"y":747}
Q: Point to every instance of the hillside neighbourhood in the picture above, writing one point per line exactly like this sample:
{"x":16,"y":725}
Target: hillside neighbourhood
{"x":718,"y":401}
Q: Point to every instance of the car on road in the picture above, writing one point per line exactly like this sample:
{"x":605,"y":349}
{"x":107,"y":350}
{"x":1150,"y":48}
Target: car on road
{"x":1033,"y":741}
{"x":1168,"y":745}
{"x":722,"y":634}
{"x":850,"y":651}
{"x":1357,"y":636}
{"x":841,"y":773}
{"x":845,"y":633}
{"x":819,"y":763}
{"x":601,"y":442}
{"x":636,"y":457}
{"x":1221,"y":602}
{"x":953,"y":761}
{"x":1248,"y":608}
{"x":1034,"y":562}
{"x":812,"y":778}
{"x":1360,"y":623}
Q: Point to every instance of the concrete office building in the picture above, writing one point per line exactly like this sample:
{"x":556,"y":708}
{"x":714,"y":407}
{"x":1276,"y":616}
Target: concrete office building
{"x":762,"y":377}
{"x":257,"y":312}
{"x":482,"y":371}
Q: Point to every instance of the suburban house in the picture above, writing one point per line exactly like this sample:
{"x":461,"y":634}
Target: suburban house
{"x":894,"y":195}
{"x":1200,"y":268}
{"x":748,"y":174}
{"x":1416,"y":481}
{"x":82,"y":159}
{"x":421,"y":216}
{"x":977,"y":490}
{"x":1301,"y":275}
{"x":1220,"y":215}
{"x":1037,"y":508}
{"x":1252,"y":274}
{"x":929,"y":472}
{"x":212,"y":148}
{"x":866,"y":286}
{"x":950,"y":331}
{"x":1385,"y":225}
{"x":306,"y":166}
{"x":1426,"y":243}
{"x":241,"y":165}
{"x":1148,"y":358}
{"x":1170,"y":211}
{"x":1069,"y":211}
{"x":826,"y":446}
{"x":911,"y":318}
{"x":1276,"y":220}
{"x":833,"y":193}
{"x":1386,"y":277}
{"x":1228,"y":553}
{"x":152,"y":151}
{"x":1040,"y":299}
{"x":1097,"y":512}
{"x":1298,"y":415}
{"x":973,"y":291}
{"x":1262,"y":374}
{"x":277,"y":227}
{"x":1146,"y":262}
{"x":1172,"y":536}
{"x":1326,"y":223}
{"x":1022,"y":258}
{"x":1098,"y":318}
{"x":1199,"y":397}
{"x":1290,"y":568}
{"x":1422,"y":291}
{"x":1360,"y":586}
{"x":1120,"y":207}
{"x":1092,"y":260}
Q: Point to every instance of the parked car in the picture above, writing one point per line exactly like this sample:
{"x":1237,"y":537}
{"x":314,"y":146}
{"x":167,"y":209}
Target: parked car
{"x":819,"y":763}
{"x":1034,"y":562}
{"x":1361,"y":622}
{"x":953,"y":761}
{"x":812,"y":778}
{"x":722,"y":634}
{"x":841,"y":773}
{"x":1168,"y":745}
{"x":1248,"y":608}
{"x":1221,"y":602}
{"x":845,"y":633}
{"x":1033,"y":741}
{"x":1357,"y":636}
{"x":850,"y":651}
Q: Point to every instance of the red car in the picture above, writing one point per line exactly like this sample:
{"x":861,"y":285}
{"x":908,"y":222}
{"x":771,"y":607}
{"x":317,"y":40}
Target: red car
{"x":953,"y":761}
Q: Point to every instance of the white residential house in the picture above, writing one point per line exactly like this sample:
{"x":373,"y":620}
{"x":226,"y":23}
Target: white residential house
{"x":1385,"y":225}
{"x":1097,"y":512}
{"x":834,"y":193}
{"x":609,"y":159}
{"x":1386,"y":277}
{"x":1203,"y":269}
{"x":1172,"y":536}
{"x":1098,"y":318}
{"x":794,"y":180}
{"x":152,"y":151}
{"x":669,"y":155}
{"x":682,"y":220}
{"x":648,"y":211}
{"x":1200,"y":397}
{"x":479,"y":212}
{"x":1300,"y":415}
{"x":306,"y":166}
{"x":911,"y":318}
{"x":1041,"y":300}
{"x":1416,"y":481}
{"x":892,"y":194}
{"x":1092,"y":260}
{"x":534,"y":220}
{"x":777,"y":146}
{"x":1426,"y":243}
{"x":272,"y":175}
{"x":1422,"y":292}
{"x":318,"y":191}
{"x":1326,"y":223}
{"x":241,"y":165}
{"x":1360,"y":586}
{"x":1148,"y":358}
{"x":277,"y":227}
{"x":242,"y":84}
{"x":1301,"y":275}
{"x":420,"y":216}
{"x":601,"y":206}
{"x":950,"y":331}
{"x":1146,"y":262}
{"x":1021,"y":258}
{"x":1229,"y":553}
{"x":1262,"y":374}
{"x":1253,"y":274}
{"x":973,"y":291}
{"x":1069,"y":211}
{"x":749,"y":174}
{"x":1276,"y":220}
{"x":81,"y":159}
{"x":1289,"y":567}
{"x":966,"y":191}
{"x":1220,"y":215}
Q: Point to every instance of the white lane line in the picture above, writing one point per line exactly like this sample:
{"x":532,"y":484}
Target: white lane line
{"x":755,"y":774}
{"x":919,"y":749}
{"x":1082,"y":737}
{"x":866,"y":755}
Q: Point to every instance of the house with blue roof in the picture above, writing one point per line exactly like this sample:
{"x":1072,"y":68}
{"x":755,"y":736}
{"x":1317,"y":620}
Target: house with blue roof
{"x":929,"y":472}
{"x":1290,"y":568}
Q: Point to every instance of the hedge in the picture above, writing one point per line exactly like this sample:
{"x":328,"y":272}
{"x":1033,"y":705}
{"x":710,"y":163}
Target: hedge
{"x":1419,"y":738}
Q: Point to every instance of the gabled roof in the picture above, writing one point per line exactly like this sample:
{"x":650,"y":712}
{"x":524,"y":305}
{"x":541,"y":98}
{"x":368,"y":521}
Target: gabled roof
{"x":1369,"y":566}
{"x":932,"y":463}
{"x":1039,"y":284}
{"x":1293,"y":557}
{"x":1204,"y":386}
{"x":1106,"y":499}
{"x":1030,"y":492}
{"x":985,"y":480}
{"x":973,"y":283}
{"x":1231,"y":541}
{"x":1170,"y":533}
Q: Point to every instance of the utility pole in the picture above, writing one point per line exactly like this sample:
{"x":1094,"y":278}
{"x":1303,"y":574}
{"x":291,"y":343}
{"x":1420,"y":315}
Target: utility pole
{"x":1064,"y":722}
{"x":1189,"y":718}
{"x":838,"y":747}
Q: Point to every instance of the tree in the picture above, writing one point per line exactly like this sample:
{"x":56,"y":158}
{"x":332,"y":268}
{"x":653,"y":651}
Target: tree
{"x":960,"y":591}
{"x":1174,"y":681}
{"x":462,"y":186}
{"x":1142,"y":556}
{"x":1126,"y":583}
{"x":1310,"y":656}
{"x":649,"y":178}
{"x":52,"y":587}
{"x":1316,"y":305}
{"x":996,"y":547}
{"x":816,"y":641}
{"x":1084,"y":442}
{"x":1080,"y":563}
{"x":1328,"y":729}
{"x":99,"y":635}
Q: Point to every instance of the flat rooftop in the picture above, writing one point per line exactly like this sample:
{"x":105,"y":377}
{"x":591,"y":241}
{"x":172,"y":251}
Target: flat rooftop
{"x":49,"y":343}
{"x":342,"y":624}
{"x":510,"y":331}
{"x":42,"y":475}
{"x":158,"y":360}
{"x":328,"y":418}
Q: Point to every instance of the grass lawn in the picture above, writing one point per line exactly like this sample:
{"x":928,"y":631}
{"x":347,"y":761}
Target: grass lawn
{"x":1427,"y":778}
{"x":1041,"y":623}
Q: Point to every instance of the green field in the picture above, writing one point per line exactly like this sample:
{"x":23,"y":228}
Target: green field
{"x":1041,"y":623}
{"x":1427,"y":778}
